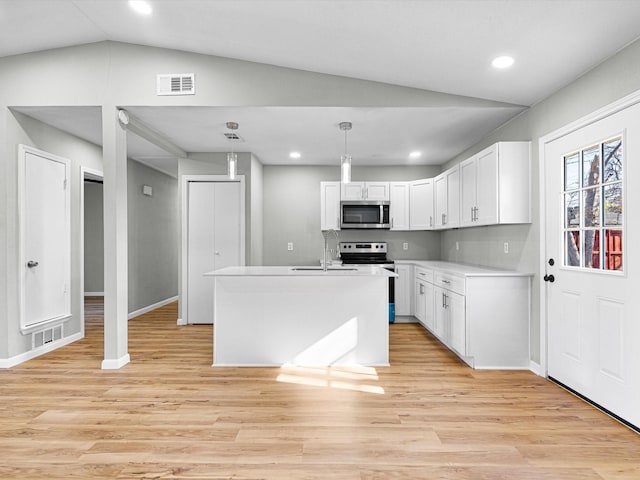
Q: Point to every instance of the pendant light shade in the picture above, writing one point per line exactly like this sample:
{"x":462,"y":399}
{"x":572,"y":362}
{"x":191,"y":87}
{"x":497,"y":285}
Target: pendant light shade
{"x":345,"y":168}
{"x":345,"y":160}
{"x":232,"y":165}
{"x":232,"y":158}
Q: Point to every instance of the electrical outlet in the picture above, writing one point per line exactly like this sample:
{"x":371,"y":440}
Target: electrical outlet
{"x":405,"y":246}
{"x":457,"y":245}
{"x":290,"y":246}
{"x":506,"y":247}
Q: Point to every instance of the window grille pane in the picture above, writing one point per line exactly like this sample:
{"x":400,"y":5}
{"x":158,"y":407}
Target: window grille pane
{"x":571,"y":172}
{"x":613,"y":249}
{"x":612,"y":151}
{"x":613,"y":204}
{"x":591,"y":207}
{"x":591,"y":250}
{"x":572,"y":209}
{"x":591,"y":167}
{"x":572,"y":249}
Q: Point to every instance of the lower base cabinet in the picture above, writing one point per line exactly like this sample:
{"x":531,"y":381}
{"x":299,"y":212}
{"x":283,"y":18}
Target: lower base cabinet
{"x":481,"y":314}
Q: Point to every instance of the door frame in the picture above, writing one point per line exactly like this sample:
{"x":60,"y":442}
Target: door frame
{"x":593,"y":117}
{"x":184,"y":213}
{"x":92,"y":174}
{"x":23,"y":150}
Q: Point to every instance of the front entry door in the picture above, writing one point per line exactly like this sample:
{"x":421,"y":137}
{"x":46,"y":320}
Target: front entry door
{"x":592,"y":269}
{"x":214,"y":231}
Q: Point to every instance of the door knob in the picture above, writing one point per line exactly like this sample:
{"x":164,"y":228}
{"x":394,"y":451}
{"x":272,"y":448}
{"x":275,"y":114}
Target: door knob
{"x":217,"y":253}
{"x":32,"y":264}
{"x":549,"y":278}
{"x":552,"y":262}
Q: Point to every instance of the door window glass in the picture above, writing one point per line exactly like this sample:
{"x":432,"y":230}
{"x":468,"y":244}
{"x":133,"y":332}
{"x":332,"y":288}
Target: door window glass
{"x":593,"y":207}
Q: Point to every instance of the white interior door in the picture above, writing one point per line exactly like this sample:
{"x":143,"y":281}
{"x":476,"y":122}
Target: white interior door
{"x":592,"y":270}
{"x":214,"y":230}
{"x":45,"y":237}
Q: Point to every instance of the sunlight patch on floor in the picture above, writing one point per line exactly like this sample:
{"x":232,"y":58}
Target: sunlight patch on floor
{"x":355,"y":378}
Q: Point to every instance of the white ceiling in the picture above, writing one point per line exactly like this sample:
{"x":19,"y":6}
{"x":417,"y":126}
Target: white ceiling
{"x":440,"y":45}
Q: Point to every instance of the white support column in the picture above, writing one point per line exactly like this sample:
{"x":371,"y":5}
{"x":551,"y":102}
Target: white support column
{"x":114,"y":153}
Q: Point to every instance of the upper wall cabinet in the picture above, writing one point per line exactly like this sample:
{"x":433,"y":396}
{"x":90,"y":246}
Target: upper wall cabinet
{"x":399,"y":205}
{"x":495,"y":186}
{"x":447,"y":198}
{"x":421,"y":205}
{"x":330,"y":205}
{"x":365,"y":191}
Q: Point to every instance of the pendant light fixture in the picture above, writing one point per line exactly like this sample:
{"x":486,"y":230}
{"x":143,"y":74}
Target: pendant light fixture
{"x":345,"y":160}
{"x":232,"y":158}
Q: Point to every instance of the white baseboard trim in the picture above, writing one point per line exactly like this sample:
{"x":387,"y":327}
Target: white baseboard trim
{"x":536,"y":368}
{"x":94,"y":294}
{"x":149,"y":308}
{"x":23,"y":357}
{"x":115,"y":364}
{"x":405,"y":319}
{"x":181,"y":322}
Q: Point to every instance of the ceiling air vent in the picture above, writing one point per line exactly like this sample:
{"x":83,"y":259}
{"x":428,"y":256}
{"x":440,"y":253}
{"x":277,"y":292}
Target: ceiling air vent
{"x":176,"y":84}
{"x":233,"y":137}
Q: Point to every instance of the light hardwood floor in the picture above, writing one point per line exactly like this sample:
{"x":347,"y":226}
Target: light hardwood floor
{"x":169,"y":415}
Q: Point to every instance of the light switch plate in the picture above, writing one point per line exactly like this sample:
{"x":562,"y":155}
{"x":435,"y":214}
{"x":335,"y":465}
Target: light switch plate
{"x":290,"y":246}
{"x":405,"y":246}
{"x":506,"y":247}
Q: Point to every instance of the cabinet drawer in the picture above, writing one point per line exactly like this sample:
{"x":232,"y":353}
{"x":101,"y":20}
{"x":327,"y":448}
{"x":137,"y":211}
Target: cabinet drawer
{"x":424,"y":275}
{"x":450,"y":282}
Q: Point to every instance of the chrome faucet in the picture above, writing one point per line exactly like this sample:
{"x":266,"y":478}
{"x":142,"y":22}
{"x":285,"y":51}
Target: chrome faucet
{"x":325,"y":235}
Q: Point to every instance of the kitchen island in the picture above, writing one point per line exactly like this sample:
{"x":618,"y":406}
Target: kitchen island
{"x":272,"y":316}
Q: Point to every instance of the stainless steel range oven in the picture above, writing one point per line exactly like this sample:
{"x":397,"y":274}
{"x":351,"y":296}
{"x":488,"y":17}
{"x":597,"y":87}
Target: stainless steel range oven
{"x":371,"y":253}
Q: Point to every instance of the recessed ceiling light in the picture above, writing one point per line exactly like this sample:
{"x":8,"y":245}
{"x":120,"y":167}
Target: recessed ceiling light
{"x":503,"y":62}
{"x":141,"y":6}
{"x":415,"y":154}
{"x":295,"y":155}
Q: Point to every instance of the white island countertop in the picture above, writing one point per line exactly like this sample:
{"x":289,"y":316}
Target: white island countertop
{"x":272,"y":316}
{"x":302,"y":271}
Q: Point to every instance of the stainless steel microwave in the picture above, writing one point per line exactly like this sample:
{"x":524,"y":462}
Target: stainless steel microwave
{"x":364,"y":214}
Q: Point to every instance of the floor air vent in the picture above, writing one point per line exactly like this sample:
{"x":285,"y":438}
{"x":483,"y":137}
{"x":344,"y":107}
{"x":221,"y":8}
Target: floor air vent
{"x":47,"y":336}
{"x":176,"y":84}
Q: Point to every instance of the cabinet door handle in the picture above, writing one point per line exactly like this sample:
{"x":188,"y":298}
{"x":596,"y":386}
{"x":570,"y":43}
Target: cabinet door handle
{"x":446,"y":305}
{"x":444,"y":218}
{"x":431,"y":220}
{"x":421,"y":289}
{"x":446,"y":281}
{"x":391,"y":223}
{"x":472,"y":213}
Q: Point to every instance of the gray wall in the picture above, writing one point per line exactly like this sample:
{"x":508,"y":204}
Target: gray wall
{"x":257,"y":212}
{"x":292,"y":214}
{"x":610,"y":81}
{"x":154,"y":232}
{"x":93,"y":238}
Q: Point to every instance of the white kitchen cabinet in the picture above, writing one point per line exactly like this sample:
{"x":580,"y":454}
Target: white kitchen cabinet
{"x":424,"y":297}
{"x":481,"y":314}
{"x":330,"y":205}
{"x":450,"y":319}
{"x":404,"y":290}
{"x":495,"y":186}
{"x":447,"y":198}
{"x":365,"y":191}
{"x":399,"y":205}
{"x":421,"y":204}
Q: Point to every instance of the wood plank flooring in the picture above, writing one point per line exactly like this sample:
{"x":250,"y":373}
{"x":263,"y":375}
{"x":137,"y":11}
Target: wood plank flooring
{"x":170,"y":415}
